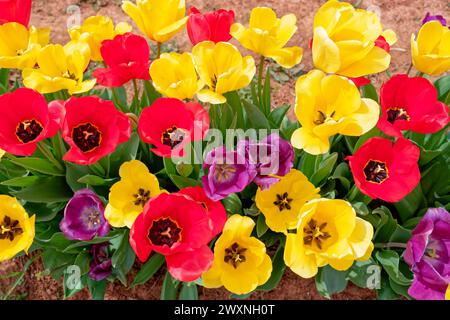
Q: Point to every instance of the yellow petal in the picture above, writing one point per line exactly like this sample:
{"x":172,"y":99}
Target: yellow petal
{"x":212,"y":277}
{"x":114,"y":216}
{"x":447,"y":293}
{"x":296,"y":259}
{"x":312,"y":144}
{"x":239,"y":226}
{"x":287,"y":57}
{"x":208,"y":96}
{"x":429,"y":37}
{"x":377,"y":60}
{"x":367,"y":254}
{"x":363,"y":120}
{"x":168,"y":32}
{"x":325,"y":52}
{"x":390,"y":36}
{"x":263,"y":18}
{"x":264,"y":270}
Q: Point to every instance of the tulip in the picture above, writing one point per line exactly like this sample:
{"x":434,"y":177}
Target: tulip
{"x":211,"y":26}
{"x":15,"y":11}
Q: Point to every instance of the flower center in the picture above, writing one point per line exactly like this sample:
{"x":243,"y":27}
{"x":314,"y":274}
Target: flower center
{"x":224,"y":172}
{"x":87,"y":137}
{"x":173,"y":137}
{"x":164,"y":231}
{"x":9,"y":229}
{"x":28,"y":130}
{"x":92,"y":218}
{"x":376,"y":171}
{"x":141,"y":197}
{"x":70,"y":76}
{"x":315,"y":233}
{"x":322,"y":117}
{"x":213,"y":82}
{"x":394,"y":114}
{"x":234,"y":255}
{"x":283,"y":202}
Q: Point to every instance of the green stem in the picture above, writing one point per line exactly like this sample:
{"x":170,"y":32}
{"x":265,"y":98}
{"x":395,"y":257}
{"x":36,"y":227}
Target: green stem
{"x":116,"y":99}
{"x":49,"y":156}
{"x":136,"y":92}
{"x":391,"y":245}
{"x":260,"y":76}
{"x":158,"y":50}
{"x":409,"y":69}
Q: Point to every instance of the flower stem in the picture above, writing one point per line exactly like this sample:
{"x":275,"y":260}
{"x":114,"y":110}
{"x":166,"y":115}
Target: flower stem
{"x":158,"y":50}
{"x":49,"y":156}
{"x":136,"y":92}
{"x":391,"y":245}
{"x":409,"y":69}
{"x":260,"y":75}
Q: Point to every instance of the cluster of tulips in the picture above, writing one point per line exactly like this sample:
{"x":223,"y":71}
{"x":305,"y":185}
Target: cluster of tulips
{"x":92,"y":177}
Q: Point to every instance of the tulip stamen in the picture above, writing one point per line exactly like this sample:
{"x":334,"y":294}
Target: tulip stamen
{"x":28,"y":130}
{"x":164,"y":231}
{"x":173,"y":137}
{"x":142,"y":197}
{"x":394,"y":114}
{"x":324,"y":117}
{"x":234,"y":255}
{"x":376,"y":171}
{"x":283,"y":202}
{"x":87,"y":137}
{"x":315,"y":233}
{"x":224,"y":172}
{"x":9,"y":229}
{"x":93,"y":218}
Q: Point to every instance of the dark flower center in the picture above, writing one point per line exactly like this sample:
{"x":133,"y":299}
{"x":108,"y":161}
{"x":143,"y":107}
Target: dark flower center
{"x":173,"y":137}
{"x":376,"y":171}
{"x":224,"y":172}
{"x":322,"y":117}
{"x":28,"y":130}
{"x":141,"y":197}
{"x":315,"y":233}
{"x":283,"y":202}
{"x":395,"y":114}
{"x":234,"y":255}
{"x":164,"y":231}
{"x":9,"y":229}
{"x":87,"y":137}
{"x":92,"y":218}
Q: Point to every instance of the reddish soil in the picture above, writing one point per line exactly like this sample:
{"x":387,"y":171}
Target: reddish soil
{"x":403,"y":16}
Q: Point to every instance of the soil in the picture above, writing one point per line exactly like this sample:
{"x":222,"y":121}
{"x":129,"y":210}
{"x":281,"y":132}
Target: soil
{"x":403,"y":16}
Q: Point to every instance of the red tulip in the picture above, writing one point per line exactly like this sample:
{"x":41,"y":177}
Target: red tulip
{"x":127,"y":58}
{"x":15,"y":11}
{"x":215,"y":209}
{"x":169,"y":124}
{"x":93,"y":128}
{"x":383,"y":44}
{"x":411,"y":104}
{"x":179,"y":228}
{"x":211,"y":26}
{"x":26,"y":119}
{"x":385,"y":170}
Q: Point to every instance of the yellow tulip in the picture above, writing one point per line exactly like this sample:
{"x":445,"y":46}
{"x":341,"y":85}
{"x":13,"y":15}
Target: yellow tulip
{"x":174,"y":75}
{"x":222,"y":68}
{"x":344,"y":40}
{"x":431,"y":52}
{"x":16,"y":228}
{"x":159,"y":20}
{"x":240,"y":261}
{"x":281,"y":203}
{"x":95,"y":30}
{"x":328,"y":233}
{"x":128,"y":197}
{"x":267,"y":35}
{"x":328,"y":105}
{"x":19,"y":47}
{"x":60,"y":68}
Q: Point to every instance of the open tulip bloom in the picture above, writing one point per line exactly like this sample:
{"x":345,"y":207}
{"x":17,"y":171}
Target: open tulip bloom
{"x":130,"y":160}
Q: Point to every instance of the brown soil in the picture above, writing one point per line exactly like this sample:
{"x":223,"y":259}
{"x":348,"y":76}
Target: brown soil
{"x":403,"y":16}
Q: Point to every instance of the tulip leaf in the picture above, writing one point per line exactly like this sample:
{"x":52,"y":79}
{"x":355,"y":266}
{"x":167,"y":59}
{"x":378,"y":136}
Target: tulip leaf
{"x":123,"y":258}
{"x":169,"y":288}
{"x":385,"y":226}
{"x":442,"y":86}
{"x":255,"y":117}
{"x":93,"y":180}
{"x":325,"y":169}
{"x":38,"y":165}
{"x":330,"y":281}
{"x":261,"y":226}
{"x":374,"y":132}
{"x":277,"y":271}
{"x":390,"y":261}
{"x":112,"y":235}
{"x":183,"y":182}
{"x":385,"y":292}
{"x":365,"y":274}
{"x":234,"y":101}
{"x":265,"y":99}
{"x":408,"y":206}
{"x":73,"y":173}
{"x":148,"y":269}
{"x":83,"y":261}
{"x":369,"y":91}
{"x":21,"y":181}
{"x":52,"y":189}
{"x":188,"y":291}
{"x":232,"y":204}
{"x":277,"y":115}
{"x":97,"y":289}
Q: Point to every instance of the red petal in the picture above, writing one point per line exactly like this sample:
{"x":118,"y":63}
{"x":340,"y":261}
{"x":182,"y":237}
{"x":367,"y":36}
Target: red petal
{"x":189,"y":266}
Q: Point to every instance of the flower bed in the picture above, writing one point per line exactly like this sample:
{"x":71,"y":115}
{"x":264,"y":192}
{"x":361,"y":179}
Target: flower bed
{"x":198,"y":171}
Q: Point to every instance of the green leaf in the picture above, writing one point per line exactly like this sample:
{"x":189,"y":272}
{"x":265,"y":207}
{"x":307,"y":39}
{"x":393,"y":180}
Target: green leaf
{"x":169,"y":166}
{"x":330,"y":281}
{"x":188,"y":291}
{"x":255,"y":117}
{"x":97,"y":289}
{"x":149,"y":269}
{"x":261,"y":226}
{"x":69,"y":292}
{"x":370,"y":134}
{"x":308,"y":164}
{"x":277,"y":271}
{"x":38,"y":165}
{"x":123,"y":258}
{"x":265,"y":101}
{"x":443,"y":87}
{"x":232,"y":204}
{"x":277,"y":115}
{"x":408,"y":206}
{"x":369,"y":91}
{"x":365,"y":274}
{"x":234,"y":101}
{"x":112,"y":235}
{"x":390,"y":260}
{"x":386,"y":225}
{"x":56,"y":262}
{"x":325,"y":169}
{"x":386,"y":292}
{"x":183,"y":182}
{"x":83,"y":261}
{"x":21,"y":181}
{"x":52,"y":189}
{"x":73,"y":173}
{"x":169,"y":288}
{"x":93,"y":180}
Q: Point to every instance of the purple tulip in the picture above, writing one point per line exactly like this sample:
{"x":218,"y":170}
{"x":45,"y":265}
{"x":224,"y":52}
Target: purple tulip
{"x":227,"y":173}
{"x":439,"y":18}
{"x":84,"y":217}
{"x":101,"y":265}
{"x":428,"y":254}
{"x":271,"y":156}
